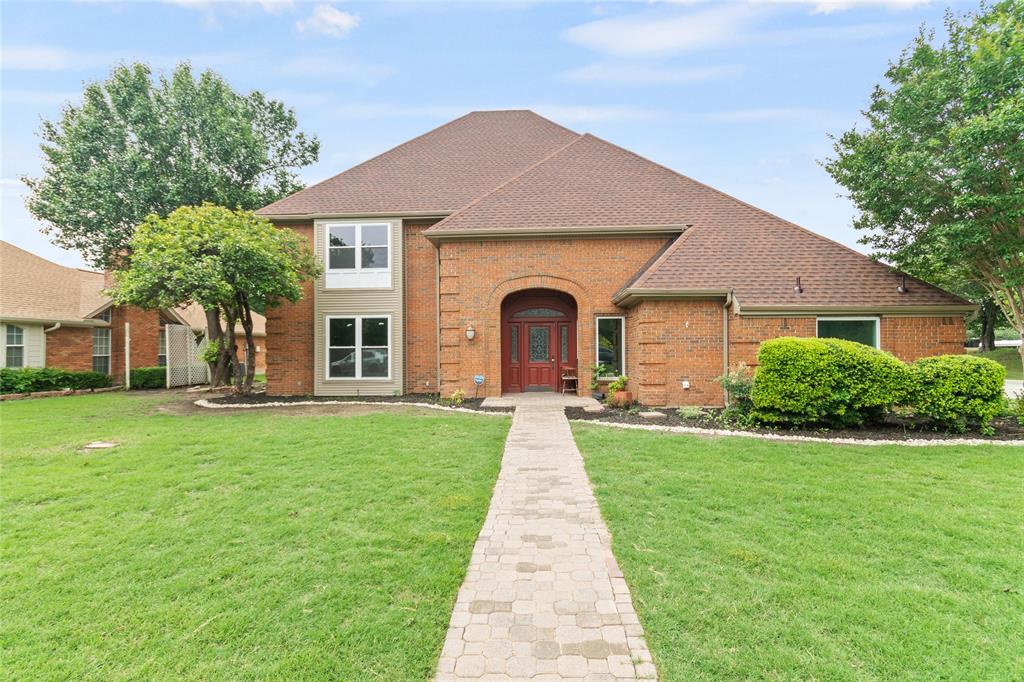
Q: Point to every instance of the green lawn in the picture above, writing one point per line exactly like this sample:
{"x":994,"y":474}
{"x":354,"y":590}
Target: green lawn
{"x":756,"y":560}
{"x":247,"y":545}
{"x":1008,"y":358}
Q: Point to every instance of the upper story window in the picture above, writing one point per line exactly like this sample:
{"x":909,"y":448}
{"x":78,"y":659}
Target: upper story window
{"x":860,"y":329}
{"x":358,"y":255}
{"x":14,"y":355}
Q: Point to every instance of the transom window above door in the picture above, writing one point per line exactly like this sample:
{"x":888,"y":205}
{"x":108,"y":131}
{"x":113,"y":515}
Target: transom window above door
{"x":358,"y":255}
{"x":539,"y":312}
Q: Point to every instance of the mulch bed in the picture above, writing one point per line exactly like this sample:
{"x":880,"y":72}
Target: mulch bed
{"x":425,"y":399}
{"x":894,"y":429}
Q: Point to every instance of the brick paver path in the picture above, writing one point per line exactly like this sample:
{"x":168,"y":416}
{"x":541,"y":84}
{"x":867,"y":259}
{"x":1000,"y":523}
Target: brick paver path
{"x":543,"y":598}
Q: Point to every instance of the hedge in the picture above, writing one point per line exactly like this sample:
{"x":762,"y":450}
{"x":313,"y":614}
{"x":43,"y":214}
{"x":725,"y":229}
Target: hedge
{"x":831,"y":382}
{"x":957,"y":390}
{"x":148,"y":377}
{"x":33,"y":379}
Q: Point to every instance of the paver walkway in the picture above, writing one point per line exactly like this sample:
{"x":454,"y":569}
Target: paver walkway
{"x":543,"y":598}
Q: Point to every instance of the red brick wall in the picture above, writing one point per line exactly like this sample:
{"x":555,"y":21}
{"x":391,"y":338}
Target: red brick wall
{"x":671,"y":342}
{"x":70,"y":348}
{"x":747,"y":333}
{"x":477,"y":276}
{"x":420,"y":283}
{"x":910,"y":338}
{"x":144,"y":328}
{"x":290,"y":333}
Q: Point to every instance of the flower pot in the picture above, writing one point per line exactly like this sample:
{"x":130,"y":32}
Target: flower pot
{"x":622,"y":398}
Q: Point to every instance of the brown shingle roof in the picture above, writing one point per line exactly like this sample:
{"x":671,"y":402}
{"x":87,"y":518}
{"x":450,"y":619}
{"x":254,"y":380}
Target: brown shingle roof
{"x":33,"y":288}
{"x":588,"y":183}
{"x":195,"y":316}
{"x":438,"y":171}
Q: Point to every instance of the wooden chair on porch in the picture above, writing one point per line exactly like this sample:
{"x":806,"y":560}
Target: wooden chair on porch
{"x":570,"y":380}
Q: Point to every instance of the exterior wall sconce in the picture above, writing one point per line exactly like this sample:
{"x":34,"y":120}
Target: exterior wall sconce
{"x":470,"y":332}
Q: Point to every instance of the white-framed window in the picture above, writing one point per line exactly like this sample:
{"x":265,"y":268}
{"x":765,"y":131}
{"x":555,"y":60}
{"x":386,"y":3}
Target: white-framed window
{"x":14,"y":346}
{"x":610,"y":344}
{"x":860,"y":329}
{"x":101,"y":349}
{"x":105,"y":316}
{"x":358,"y":346}
{"x":358,"y":254}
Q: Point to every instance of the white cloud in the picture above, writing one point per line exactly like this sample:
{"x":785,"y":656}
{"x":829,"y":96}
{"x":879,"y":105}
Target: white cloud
{"x":767,"y":114}
{"x":591,"y":114}
{"x":659,"y":33}
{"x":47,"y":58}
{"x":829,"y":6}
{"x":38,"y":98}
{"x":272,"y":6}
{"x":641,"y":74}
{"x":329,"y":21}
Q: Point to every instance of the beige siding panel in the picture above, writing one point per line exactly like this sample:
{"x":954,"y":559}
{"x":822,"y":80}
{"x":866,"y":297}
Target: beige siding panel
{"x":340,"y":302}
{"x":35,"y":345}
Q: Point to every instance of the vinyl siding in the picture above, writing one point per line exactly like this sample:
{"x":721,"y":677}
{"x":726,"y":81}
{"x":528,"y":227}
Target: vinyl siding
{"x":35,"y":345}
{"x":342,"y":302}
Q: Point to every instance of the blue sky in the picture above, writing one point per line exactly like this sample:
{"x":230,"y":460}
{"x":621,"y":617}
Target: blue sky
{"x":740,"y":95}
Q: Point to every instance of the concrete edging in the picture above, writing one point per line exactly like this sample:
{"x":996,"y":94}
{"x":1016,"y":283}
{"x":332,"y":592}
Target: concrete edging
{"x":694,"y":431}
{"x":203,"y":402}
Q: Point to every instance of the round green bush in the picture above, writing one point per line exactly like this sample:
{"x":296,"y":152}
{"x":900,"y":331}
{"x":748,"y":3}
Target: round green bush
{"x":956,"y":391}
{"x":804,"y":381}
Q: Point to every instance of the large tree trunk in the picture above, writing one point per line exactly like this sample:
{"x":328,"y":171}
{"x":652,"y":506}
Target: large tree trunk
{"x":219,"y":367}
{"x":250,"y":346}
{"x":989,"y":316}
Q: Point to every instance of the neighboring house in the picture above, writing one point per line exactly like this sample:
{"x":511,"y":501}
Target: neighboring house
{"x":196,"y":316}
{"x":506,"y":246}
{"x":55,"y":316}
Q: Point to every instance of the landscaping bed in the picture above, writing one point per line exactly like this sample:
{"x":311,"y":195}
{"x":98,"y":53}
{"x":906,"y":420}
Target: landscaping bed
{"x":894,"y":428}
{"x":417,"y":398}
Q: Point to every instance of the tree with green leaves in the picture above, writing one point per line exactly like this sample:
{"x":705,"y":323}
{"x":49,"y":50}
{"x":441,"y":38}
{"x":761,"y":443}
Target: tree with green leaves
{"x":937,"y":175}
{"x":137,"y":146}
{"x":226,"y":260}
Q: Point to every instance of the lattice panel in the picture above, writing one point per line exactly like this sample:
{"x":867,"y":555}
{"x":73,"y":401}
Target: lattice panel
{"x":184,"y":368}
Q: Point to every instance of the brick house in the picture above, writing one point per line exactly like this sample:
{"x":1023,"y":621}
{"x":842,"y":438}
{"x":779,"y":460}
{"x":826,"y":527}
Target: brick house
{"x":55,"y":316}
{"x":502,"y":245}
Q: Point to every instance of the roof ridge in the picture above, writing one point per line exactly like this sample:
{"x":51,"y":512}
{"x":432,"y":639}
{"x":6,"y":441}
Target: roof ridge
{"x":48,"y":261}
{"x":504,"y":184}
{"x":372,"y":158}
{"x":416,"y":139}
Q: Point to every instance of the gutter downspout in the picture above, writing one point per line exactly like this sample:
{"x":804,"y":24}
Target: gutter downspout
{"x":437,"y":304}
{"x":725,"y":342}
{"x":54,"y":328}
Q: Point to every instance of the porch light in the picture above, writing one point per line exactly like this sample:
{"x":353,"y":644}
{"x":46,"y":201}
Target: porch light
{"x":470,"y":332}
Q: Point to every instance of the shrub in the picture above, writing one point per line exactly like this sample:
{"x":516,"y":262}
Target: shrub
{"x":457,"y":398}
{"x":738,"y":384}
{"x":958,"y":390}
{"x":826,"y":381}
{"x":690,"y":412}
{"x":33,"y":379}
{"x":148,"y":377}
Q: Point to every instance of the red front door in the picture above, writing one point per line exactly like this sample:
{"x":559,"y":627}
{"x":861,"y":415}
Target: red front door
{"x":540,"y":356}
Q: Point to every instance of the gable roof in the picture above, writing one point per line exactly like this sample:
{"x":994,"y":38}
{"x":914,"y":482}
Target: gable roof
{"x":586,"y":184}
{"x":33,"y":288}
{"x":437,"y":172}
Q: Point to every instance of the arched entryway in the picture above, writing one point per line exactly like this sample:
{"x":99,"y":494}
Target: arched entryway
{"x":538,"y":340}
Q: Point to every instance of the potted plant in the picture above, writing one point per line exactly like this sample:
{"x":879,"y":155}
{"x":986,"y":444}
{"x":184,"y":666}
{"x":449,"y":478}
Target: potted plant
{"x":596,"y":372}
{"x":617,"y":393}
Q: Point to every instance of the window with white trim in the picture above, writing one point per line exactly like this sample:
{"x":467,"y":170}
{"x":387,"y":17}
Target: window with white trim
{"x":161,"y":345}
{"x":860,"y":329}
{"x":14,"y":353}
{"x":105,"y":316}
{"x":358,"y":255}
{"x":101,"y":349}
{"x":611,"y":345}
{"x":359,"y":347}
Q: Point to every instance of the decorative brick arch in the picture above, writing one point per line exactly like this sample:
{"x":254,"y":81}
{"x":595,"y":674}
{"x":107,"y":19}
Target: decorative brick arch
{"x":491,"y":320}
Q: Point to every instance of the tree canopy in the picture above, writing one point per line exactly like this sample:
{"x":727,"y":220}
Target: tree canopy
{"x":136,"y":146}
{"x":938,"y":173}
{"x":224,"y":260}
